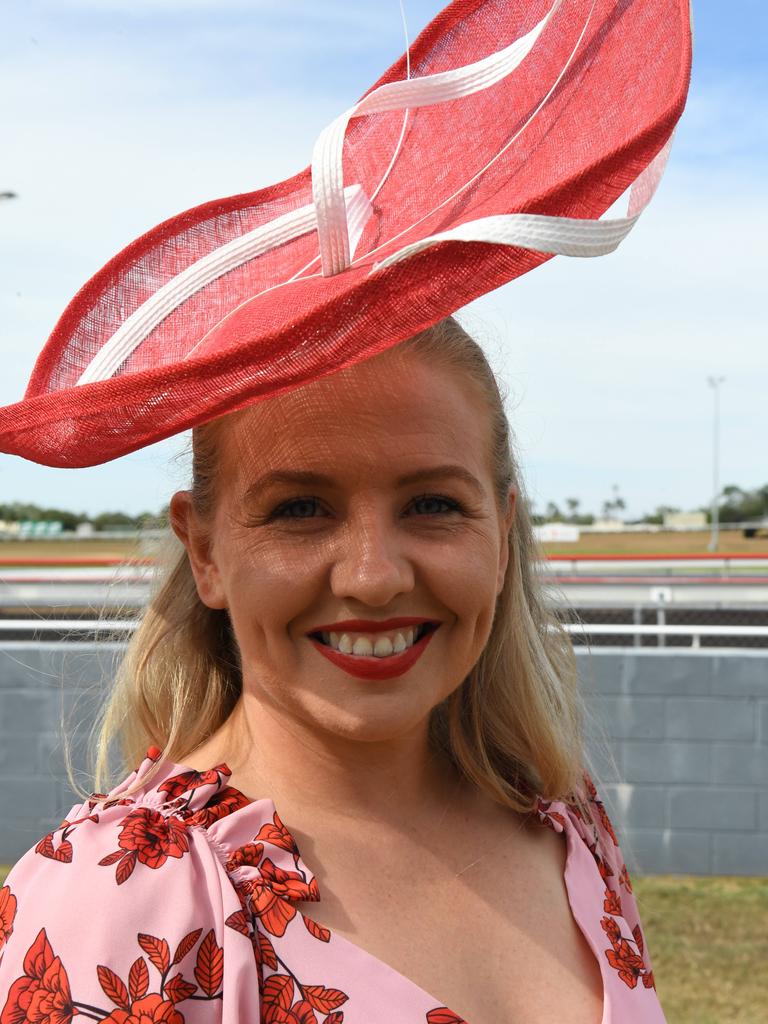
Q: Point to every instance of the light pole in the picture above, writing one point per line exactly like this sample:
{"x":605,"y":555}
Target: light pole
{"x":714,"y":383}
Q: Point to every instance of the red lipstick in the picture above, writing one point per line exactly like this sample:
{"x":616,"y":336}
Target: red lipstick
{"x":365,"y":667}
{"x":372,"y":625}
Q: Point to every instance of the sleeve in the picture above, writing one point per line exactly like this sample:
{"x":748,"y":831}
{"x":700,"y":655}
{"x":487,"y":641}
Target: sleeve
{"x":620,"y":900}
{"x":120,"y":915}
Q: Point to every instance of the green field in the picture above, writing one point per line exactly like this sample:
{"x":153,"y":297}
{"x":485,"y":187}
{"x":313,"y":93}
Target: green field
{"x":708,"y":938}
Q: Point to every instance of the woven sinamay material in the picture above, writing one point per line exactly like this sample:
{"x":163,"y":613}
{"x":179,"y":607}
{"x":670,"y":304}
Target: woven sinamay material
{"x":565,"y":134}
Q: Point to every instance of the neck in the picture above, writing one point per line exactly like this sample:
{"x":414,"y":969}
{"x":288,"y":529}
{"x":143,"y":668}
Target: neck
{"x":305,"y":769}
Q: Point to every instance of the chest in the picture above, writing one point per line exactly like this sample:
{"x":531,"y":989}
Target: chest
{"x":497,"y":945}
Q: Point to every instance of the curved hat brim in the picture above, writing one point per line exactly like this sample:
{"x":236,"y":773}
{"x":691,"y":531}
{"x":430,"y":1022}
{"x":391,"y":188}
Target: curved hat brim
{"x":564,"y":135}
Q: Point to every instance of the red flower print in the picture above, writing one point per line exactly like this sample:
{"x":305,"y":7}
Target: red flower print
{"x":611,"y":929}
{"x":185,"y":782}
{"x":606,"y":821}
{"x":226,"y":801}
{"x":605,"y":869}
{"x":41,"y":995}
{"x":442,"y":1015}
{"x":274,"y":912}
{"x":629,"y":965}
{"x":61,"y":853}
{"x":278,"y":835}
{"x":151,"y":1009}
{"x":246,"y":856}
{"x":624,"y":878}
{"x":317,"y":930}
{"x":279,"y":1006}
{"x":299,"y":1013}
{"x":289,"y":884}
{"x":323,"y":999}
{"x":622,"y":957}
{"x":153,"y":837}
{"x":149,"y":838}
{"x":7,"y":914}
{"x":612,"y":902}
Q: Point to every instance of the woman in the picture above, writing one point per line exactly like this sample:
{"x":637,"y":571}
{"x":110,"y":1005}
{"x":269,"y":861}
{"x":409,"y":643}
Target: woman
{"x":352,"y":633}
{"x":413,"y":753}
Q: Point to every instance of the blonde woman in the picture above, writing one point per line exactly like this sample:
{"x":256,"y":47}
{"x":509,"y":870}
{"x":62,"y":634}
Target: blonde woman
{"x":359,"y":793}
{"x":350,"y":659}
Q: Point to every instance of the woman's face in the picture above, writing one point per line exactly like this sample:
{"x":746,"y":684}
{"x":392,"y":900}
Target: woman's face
{"x":357,"y":543}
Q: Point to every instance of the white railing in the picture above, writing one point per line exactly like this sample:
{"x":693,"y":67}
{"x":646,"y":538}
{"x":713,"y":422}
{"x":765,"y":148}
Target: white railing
{"x":662,"y":630}
{"x":592,"y":629}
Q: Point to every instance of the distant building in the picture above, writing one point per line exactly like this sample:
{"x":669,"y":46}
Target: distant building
{"x":608,"y":525}
{"x":685,"y":520}
{"x":556,"y":533}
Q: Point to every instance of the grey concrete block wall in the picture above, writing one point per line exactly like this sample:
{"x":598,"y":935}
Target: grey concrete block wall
{"x":688,"y":732}
{"x":679,"y":748}
{"x":44,"y":688}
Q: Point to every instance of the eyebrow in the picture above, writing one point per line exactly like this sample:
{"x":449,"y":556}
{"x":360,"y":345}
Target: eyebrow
{"x":307,"y":478}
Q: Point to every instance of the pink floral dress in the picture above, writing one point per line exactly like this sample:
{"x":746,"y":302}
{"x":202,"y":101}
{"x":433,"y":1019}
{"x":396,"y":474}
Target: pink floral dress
{"x":179,"y":904}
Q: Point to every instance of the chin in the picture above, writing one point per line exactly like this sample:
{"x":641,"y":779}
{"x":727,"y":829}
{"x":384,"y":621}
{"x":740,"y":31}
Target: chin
{"x":370,"y":721}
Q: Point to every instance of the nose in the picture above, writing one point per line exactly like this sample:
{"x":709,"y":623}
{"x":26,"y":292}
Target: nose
{"x":371,"y":565}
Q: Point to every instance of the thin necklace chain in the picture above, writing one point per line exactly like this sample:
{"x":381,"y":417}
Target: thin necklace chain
{"x":483,"y":856}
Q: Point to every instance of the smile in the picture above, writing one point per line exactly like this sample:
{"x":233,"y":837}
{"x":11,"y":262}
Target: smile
{"x":374,"y":645}
{"x":374,"y":650}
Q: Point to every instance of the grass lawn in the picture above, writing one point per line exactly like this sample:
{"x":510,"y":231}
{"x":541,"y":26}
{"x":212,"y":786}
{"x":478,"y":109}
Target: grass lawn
{"x":708,"y":938}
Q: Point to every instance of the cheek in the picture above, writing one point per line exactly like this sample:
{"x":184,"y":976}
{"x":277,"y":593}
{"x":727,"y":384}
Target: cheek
{"x":267,"y":586}
{"x":463,"y":574}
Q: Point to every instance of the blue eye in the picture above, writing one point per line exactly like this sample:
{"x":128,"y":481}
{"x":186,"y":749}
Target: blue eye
{"x":297,"y":508}
{"x":434,"y":504}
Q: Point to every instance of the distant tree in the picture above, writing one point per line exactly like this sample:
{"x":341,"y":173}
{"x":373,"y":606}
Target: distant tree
{"x":657,"y":517}
{"x":552,"y":513}
{"x":113,"y":521}
{"x":738,"y":504}
{"x":19,"y":511}
{"x":614,"y":505}
{"x":573,"y":508}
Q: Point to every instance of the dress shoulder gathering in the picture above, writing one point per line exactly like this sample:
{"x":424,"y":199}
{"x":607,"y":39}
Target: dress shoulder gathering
{"x":180,"y":904}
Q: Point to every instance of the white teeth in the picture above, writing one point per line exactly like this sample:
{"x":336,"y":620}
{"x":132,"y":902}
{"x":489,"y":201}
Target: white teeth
{"x":383,"y":647}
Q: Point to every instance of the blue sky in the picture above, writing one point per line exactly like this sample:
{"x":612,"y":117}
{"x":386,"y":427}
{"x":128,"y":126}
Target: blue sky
{"x":118,"y":113}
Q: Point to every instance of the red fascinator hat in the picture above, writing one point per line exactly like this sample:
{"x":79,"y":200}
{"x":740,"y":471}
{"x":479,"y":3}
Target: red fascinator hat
{"x":499,"y":140}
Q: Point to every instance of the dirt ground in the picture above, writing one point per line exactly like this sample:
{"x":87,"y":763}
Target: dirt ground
{"x":673,"y":543}
{"x":731,"y":542}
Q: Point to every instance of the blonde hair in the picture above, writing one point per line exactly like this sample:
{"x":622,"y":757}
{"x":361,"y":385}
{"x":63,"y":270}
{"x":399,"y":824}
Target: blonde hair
{"x":513,"y":727}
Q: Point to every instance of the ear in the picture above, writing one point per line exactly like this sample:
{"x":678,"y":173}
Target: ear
{"x":505,"y":525}
{"x":187,"y":526}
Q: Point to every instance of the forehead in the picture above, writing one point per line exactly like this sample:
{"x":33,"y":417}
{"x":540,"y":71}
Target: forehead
{"x":392,"y":411}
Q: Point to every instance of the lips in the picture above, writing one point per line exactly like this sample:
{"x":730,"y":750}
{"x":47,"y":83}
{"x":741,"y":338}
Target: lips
{"x":336,"y":640}
{"x":372,"y":625}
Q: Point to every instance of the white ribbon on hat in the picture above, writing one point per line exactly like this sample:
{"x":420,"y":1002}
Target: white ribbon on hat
{"x":339,"y":214}
{"x":561,"y":236}
{"x":327,"y":156}
{"x":140,"y":324}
